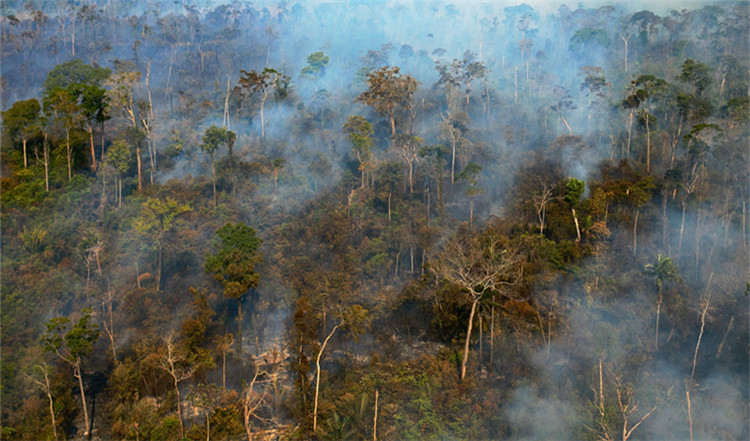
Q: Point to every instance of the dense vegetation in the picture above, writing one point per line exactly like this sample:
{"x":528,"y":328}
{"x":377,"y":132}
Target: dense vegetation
{"x":355,"y":221}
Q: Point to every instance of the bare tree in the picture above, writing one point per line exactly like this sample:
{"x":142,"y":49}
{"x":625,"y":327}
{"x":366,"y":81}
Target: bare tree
{"x":482,"y":267}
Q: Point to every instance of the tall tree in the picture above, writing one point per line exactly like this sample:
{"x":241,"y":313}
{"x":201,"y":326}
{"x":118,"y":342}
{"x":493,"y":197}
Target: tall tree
{"x":482,"y":266}
{"x":212,"y":139}
{"x":573,"y":192}
{"x":360,"y":134}
{"x":66,"y":112}
{"x":234,"y":263}
{"x":71,"y":344}
{"x":664,"y":270}
{"x":157,"y":218}
{"x":262,"y":83}
{"x":22,"y":121}
{"x":388,"y":90}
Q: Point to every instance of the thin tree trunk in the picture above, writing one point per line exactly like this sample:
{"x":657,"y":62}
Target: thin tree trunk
{"x":635,"y":231}
{"x":78,"y":374}
{"x":704,"y":311}
{"x":213,"y":177}
{"x":578,"y":229}
{"x":658,"y":312}
{"x":93,"y":154}
{"x":239,"y":323}
{"x":468,"y":338}
{"x":25,"y":163}
{"x":689,"y":410}
{"x":317,"y":377}
{"x":375,"y":419}
{"x":179,"y":407}
{"x":724,"y":340}
{"x":69,"y":153}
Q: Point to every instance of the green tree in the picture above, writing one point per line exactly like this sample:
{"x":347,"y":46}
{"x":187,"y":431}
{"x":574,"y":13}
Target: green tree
{"x":212,"y":139}
{"x":234,"y":263}
{"x":388,"y":90}
{"x":697,"y":74}
{"x":573,"y":192}
{"x":157,"y":218}
{"x":316,"y":67}
{"x":66,"y":112}
{"x":360,"y":134}
{"x":71,"y":345}
{"x":470,"y":173}
{"x":22,"y":121}
{"x":664,"y":270}
{"x":118,"y":158}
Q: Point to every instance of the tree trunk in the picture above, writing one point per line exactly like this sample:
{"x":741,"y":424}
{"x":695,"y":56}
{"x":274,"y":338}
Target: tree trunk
{"x":411,"y":178}
{"x":375,"y":419}
{"x":25,"y":163}
{"x":158,"y":266}
{"x":93,"y":153}
{"x":213,"y":177}
{"x":45,"y":148}
{"x":78,"y":374}
{"x":68,"y":152}
{"x":393,"y":124}
{"x":570,"y":131}
{"x":635,"y":231}
{"x":468,"y":338}
{"x":317,"y":377}
{"x":578,"y":229}
{"x":648,"y":145}
{"x":658,"y":312}
{"x":179,"y":407}
{"x":138,"y":161}
{"x":262,"y":120}
{"x":239,"y":324}
{"x":630,"y":131}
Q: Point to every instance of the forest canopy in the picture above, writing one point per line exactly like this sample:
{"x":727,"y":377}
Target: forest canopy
{"x":362,"y":220}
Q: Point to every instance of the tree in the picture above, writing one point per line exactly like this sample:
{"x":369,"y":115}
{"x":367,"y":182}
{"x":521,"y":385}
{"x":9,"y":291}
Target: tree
{"x":44,"y":386}
{"x":83,"y":82}
{"x":387,"y":91}
{"x":470,"y":173}
{"x":66,"y":112}
{"x":118,"y":158}
{"x":22,"y":121}
{"x":697,"y":74}
{"x":482,"y":267}
{"x":262,"y":83}
{"x":234,"y":263}
{"x":638,"y":194}
{"x":71,"y":345}
{"x":212,"y":139}
{"x":573,"y":191}
{"x":409,"y":146}
{"x":157,"y":218}
{"x":460,"y":74}
{"x":316,"y":67}
{"x":563,"y":103}
{"x":360,"y":134}
{"x":664,"y":270}
{"x":541,"y":199}
{"x":122,"y":98}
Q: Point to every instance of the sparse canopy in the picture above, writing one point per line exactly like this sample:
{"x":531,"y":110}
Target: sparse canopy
{"x":388,"y":90}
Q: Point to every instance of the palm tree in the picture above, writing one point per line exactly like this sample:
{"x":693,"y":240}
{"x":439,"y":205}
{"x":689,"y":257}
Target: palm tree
{"x":665,"y":270}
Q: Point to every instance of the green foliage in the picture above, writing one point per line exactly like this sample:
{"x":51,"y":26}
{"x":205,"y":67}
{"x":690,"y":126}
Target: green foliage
{"x":586,"y":36}
{"x":573,"y":192}
{"x":234,"y":263}
{"x":697,"y":74}
{"x":316,"y":64}
{"x":74,"y":72}
{"x":214,"y":137}
{"x":158,"y":217}
{"x":76,"y":342}
{"x":119,"y":156}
